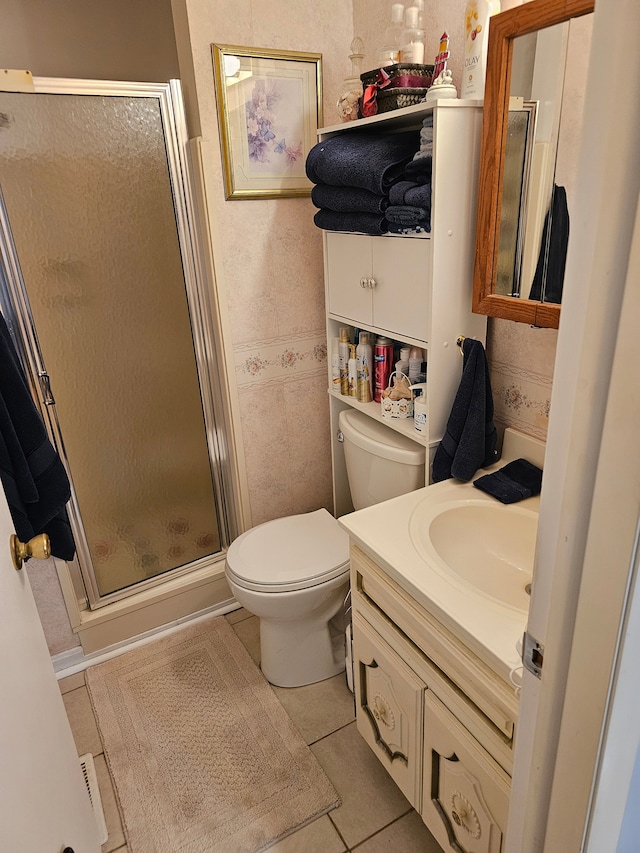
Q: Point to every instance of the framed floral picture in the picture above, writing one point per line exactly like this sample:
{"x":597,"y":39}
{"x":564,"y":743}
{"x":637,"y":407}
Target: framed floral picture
{"x":269,"y":110}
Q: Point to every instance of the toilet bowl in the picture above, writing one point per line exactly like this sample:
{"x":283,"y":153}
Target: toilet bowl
{"x":293,"y":572}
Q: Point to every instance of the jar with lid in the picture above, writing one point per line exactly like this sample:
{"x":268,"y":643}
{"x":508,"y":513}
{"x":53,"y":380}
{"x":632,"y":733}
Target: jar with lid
{"x":351,"y":92}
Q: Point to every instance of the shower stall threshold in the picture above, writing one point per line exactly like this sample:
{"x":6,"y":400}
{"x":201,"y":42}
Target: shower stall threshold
{"x":205,"y":588}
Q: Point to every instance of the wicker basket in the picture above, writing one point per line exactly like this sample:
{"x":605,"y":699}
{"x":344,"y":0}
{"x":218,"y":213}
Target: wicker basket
{"x":394,"y":99}
{"x":421,"y":75}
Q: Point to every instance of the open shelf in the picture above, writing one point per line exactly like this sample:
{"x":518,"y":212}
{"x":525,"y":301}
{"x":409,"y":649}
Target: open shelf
{"x":401,"y":425}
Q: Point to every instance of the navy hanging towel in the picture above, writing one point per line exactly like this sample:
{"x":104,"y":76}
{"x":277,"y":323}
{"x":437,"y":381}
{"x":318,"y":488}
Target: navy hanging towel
{"x":32,"y":474}
{"x":470,"y":439}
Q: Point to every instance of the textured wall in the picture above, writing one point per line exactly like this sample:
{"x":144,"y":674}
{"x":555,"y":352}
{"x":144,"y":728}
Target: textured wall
{"x":114,"y":40}
{"x":269,"y":267}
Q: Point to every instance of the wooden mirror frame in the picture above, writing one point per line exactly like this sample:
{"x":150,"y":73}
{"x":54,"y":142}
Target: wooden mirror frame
{"x":505,"y":27}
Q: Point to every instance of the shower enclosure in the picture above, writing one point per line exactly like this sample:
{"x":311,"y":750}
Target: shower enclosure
{"x":100,"y":287}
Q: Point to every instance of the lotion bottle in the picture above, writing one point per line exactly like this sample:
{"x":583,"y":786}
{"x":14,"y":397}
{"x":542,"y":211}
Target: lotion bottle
{"x":415,"y":363}
{"x":476,"y":39}
{"x":343,"y":352}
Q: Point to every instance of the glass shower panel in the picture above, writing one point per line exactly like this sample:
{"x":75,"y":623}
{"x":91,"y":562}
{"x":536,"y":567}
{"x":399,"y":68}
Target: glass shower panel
{"x":87,"y":191}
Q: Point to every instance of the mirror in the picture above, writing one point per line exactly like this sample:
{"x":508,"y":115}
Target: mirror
{"x":535,"y":86}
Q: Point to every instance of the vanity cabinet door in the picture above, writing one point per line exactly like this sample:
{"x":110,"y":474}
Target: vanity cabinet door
{"x":465,"y":794}
{"x":389,"y":701}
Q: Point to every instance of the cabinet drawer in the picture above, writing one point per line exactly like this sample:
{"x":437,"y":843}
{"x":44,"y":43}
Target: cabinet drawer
{"x":466,"y":794}
{"x":485,"y":689}
{"x":389,"y":703}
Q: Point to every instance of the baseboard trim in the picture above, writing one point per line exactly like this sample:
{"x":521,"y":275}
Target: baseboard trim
{"x":75,"y":660}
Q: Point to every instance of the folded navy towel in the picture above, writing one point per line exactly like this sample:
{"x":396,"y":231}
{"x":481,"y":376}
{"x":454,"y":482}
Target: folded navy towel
{"x":419,"y":196}
{"x":398,"y":190}
{"x":470,"y":438}
{"x":32,"y":474}
{"x":514,"y":482}
{"x":419,"y":170}
{"x":348,"y":199}
{"x":358,"y":159}
{"x":363,"y":223}
{"x":406,"y":214}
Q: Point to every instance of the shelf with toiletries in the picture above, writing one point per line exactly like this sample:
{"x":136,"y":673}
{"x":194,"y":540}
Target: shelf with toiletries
{"x":412,"y":288}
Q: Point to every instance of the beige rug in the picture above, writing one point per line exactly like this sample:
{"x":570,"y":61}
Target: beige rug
{"x":203,"y":756}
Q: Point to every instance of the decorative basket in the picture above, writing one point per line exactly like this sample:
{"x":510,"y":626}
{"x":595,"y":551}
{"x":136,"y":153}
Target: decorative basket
{"x":403,"y":75}
{"x":394,"y":99}
{"x":394,"y":86}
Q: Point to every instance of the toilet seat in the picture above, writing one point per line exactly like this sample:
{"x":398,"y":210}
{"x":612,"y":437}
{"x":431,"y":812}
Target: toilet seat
{"x":291,"y":553}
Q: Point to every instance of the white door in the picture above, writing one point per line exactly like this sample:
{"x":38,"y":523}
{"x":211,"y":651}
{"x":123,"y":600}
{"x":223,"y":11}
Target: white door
{"x":551,"y":781}
{"x":44,"y":805}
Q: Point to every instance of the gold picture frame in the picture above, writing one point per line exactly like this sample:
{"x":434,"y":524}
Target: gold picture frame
{"x":269,"y":111}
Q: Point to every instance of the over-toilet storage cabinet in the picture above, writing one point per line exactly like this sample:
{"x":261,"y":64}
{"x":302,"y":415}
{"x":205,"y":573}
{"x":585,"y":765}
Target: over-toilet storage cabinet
{"x":413,"y":289}
{"x":439,"y":720}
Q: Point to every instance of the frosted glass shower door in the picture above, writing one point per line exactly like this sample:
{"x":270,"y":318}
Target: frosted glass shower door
{"x":89,"y":202}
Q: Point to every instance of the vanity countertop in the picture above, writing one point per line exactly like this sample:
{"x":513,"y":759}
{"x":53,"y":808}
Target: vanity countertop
{"x":485,"y":625}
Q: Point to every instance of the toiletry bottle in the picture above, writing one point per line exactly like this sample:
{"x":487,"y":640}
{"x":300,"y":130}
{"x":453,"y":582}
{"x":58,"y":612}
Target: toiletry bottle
{"x":343,"y":349}
{"x":412,"y":40}
{"x":415,"y":363}
{"x":364,"y":356}
{"x":383,"y":360}
{"x":335,"y":365}
{"x":420,"y":407}
{"x":404,"y":360}
{"x":476,"y":40}
{"x":391,"y":43}
{"x":352,"y":371}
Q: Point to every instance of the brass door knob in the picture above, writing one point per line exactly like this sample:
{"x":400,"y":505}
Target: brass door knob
{"x":38,"y":547}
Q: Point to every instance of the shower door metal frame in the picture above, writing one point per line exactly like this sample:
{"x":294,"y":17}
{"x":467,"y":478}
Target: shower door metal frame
{"x":13,"y":296}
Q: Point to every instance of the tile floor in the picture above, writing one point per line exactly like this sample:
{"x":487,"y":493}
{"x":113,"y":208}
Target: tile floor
{"x":374,"y":815}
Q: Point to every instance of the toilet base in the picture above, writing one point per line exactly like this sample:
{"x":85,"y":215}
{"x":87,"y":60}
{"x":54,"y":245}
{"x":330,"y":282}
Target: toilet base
{"x":292,"y":655}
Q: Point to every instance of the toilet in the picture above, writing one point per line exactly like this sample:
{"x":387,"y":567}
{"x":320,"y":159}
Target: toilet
{"x":293,"y":572}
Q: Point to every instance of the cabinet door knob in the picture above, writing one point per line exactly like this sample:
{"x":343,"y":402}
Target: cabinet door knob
{"x":371,"y":283}
{"x":363,"y":282}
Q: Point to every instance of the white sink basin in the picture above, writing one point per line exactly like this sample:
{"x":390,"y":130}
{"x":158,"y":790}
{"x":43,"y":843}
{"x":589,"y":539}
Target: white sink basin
{"x":488,"y":546}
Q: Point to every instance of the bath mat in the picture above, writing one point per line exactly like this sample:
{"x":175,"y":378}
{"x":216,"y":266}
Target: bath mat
{"x":203,"y":756}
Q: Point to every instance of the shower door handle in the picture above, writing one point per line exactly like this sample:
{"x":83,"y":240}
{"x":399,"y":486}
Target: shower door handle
{"x":45,"y":387}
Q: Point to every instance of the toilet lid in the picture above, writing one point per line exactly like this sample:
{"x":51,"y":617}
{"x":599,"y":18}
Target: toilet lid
{"x":290,"y":553}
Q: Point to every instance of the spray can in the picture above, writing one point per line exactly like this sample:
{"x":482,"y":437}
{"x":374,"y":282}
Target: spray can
{"x":383,"y":362}
{"x":364,"y":355}
{"x":343,"y":360}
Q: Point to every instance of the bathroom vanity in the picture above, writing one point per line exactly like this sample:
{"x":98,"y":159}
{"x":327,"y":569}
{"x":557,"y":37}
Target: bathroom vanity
{"x":434,"y":646}
{"x":414,"y":289}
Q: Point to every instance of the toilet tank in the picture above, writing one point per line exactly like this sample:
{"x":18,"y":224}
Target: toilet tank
{"x":381,"y":463}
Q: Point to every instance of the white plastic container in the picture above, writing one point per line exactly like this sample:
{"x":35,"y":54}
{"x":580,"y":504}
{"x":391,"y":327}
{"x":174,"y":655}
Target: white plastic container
{"x":476,"y":39}
{"x":420,"y":407}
